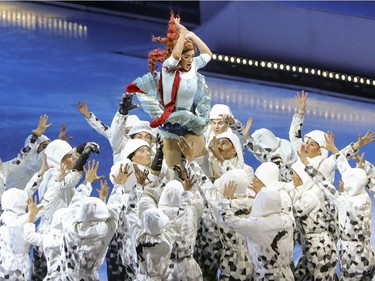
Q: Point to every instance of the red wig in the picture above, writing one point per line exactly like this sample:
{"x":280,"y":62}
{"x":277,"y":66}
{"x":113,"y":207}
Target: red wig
{"x":158,"y":55}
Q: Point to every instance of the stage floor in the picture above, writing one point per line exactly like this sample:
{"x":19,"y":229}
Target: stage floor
{"x":52,"y":57}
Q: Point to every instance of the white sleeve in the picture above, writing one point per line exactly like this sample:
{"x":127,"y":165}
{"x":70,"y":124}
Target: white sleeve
{"x":31,"y":236}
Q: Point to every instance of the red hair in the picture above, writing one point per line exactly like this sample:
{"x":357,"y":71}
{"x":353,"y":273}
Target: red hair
{"x":158,"y":55}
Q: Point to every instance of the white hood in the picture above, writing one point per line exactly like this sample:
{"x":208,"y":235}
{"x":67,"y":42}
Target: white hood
{"x":153,"y":221}
{"x":217,"y":110}
{"x":141,"y":126}
{"x":92,"y":210}
{"x":131,"y":146}
{"x":267,"y":202}
{"x":171,"y":194}
{"x":236,"y":143}
{"x":355,"y":181}
{"x":268,"y":173}
{"x":14,"y":200}
{"x":318,"y":136}
{"x":299,"y":169}
{"x":266,"y":139}
{"x":56,"y":151}
{"x":239,"y":176}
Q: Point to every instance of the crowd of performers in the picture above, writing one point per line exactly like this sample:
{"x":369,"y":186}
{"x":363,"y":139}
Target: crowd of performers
{"x":183,"y":204}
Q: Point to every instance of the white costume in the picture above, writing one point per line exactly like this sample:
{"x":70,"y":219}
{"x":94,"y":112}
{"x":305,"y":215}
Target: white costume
{"x":51,"y":243}
{"x":236,"y":162}
{"x":268,"y":234}
{"x":14,"y":250}
{"x":19,"y":177}
{"x":357,"y":258}
{"x":153,"y":237}
{"x":319,"y":250}
{"x":266,"y":147}
{"x":89,"y":226}
{"x":188,"y":205}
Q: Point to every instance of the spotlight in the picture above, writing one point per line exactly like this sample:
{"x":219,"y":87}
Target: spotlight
{"x":220,"y":57}
{"x":337,"y":76}
{"x":226,"y":58}
{"x":368,"y":81}
{"x":355,"y":79}
{"x":306,"y":70}
{"x":294,"y":68}
{"x":244,"y":61}
{"x":231,"y":59}
{"x":269,"y":65}
{"x":287,"y":68}
{"x":262,"y":64}
{"x":238,"y":60}
{"x":275,"y":65}
{"x":250,"y":62}
{"x":361,"y":80}
{"x":349,"y":78}
{"x":343,"y":77}
{"x":330,"y":75}
{"x":300,"y":69}
{"x":281,"y":66}
{"x":214,"y":56}
{"x":324,"y":74}
{"x":312,"y":71}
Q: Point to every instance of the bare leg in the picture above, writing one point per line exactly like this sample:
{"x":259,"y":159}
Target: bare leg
{"x":172,"y":152}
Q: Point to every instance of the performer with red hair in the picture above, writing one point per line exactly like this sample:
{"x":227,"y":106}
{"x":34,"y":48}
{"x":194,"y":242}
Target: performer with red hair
{"x":176,"y":97}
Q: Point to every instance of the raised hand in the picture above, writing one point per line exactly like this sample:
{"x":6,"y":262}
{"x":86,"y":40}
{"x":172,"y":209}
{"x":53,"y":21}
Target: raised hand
{"x":83,"y":108}
{"x":63,"y":172}
{"x":229,"y":190}
{"x":213,"y":146}
{"x":301,"y":99}
{"x":33,"y":209}
{"x":123,"y":174}
{"x":186,"y":149}
{"x":103,"y":191}
{"x":127,"y":104}
{"x":302,"y":155}
{"x":42,"y":125}
{"x":365,"y":140}
{"x":246,"y":129}
{"x":330,"y":142}
{"x":63,"y":133}
{"x":227,"y":119}
{"x":45,"y":165}
{"x":91,"y":171}
{"x":141,"y":175}
{"x":189,"y":181}
{"x":360,"y":160}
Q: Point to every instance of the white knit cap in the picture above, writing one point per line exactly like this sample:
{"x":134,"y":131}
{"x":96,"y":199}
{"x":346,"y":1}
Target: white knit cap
{"x":266,"y":139}
{"x":218,"y":110}
{"x":355,"y":181}
{"x":56,"y":151}
{"x":14,"y":200}
{"x":153,"y":221}
{"x":131,"y":146}
{"x":318,"y":137}
{"x":141,"y":126}
{"x":236,"y":143}
{"x":268,"y":173}
{"x":299,"y":168}
{"x":131,"y":120}
{"x":92,"y":209}
{"x":171,"y":194}
{"x":267,"y":202}
{"x":240,"y":179}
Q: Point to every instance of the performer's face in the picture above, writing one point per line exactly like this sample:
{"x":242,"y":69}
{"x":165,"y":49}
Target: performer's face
{"x":226,"y":148}
{"x":69,"y":161}
{"x":296,"y":179}
{"x":187,"y":59}
{"x":312,"y":148}
{"x":143,"y":136}
{"x":142,"y":156}
{"x":218,"y":126}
